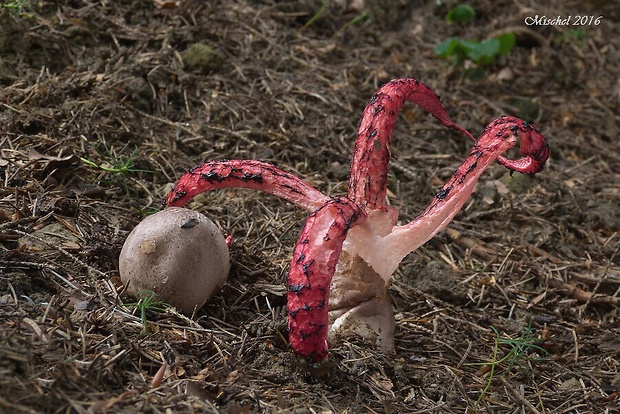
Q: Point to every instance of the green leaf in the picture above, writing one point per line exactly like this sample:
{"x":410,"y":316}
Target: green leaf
{"x":506,"y":43}
{"x":466,"y":46}
{"x":447,"y":47}
{"x":460,"y":14}
{"x":485,"y":52}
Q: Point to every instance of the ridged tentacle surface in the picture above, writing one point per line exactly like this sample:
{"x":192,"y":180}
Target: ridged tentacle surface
{"x":251,"y":174}
{"x":312,"y":268}
{"x":369,"y":164}
{"x":384,"y":253}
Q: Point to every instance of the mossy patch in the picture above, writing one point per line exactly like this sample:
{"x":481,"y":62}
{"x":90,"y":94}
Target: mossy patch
{"x":203,"y":58}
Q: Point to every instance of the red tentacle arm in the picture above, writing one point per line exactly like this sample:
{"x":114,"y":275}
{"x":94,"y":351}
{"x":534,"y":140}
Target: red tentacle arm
{"x":384,"y":253}
{"x":312,"y":268}
{"x":368,"y":179}
{"x":533,"y":145}
{"x":251,"y":174}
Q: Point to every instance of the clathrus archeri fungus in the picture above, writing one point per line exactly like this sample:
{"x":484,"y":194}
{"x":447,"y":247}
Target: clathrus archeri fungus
{"x":361,"y":225}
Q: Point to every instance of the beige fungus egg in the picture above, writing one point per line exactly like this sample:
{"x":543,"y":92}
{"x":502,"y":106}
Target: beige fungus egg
{"x":177,"y":253}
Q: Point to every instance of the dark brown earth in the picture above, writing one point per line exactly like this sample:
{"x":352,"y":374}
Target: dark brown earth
{"x":514,"y":309}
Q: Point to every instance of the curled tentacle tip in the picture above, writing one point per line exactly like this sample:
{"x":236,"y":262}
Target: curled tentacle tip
{"x":533,"y":147}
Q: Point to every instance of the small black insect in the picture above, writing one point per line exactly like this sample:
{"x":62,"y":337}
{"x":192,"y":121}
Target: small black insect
{"x":189,"y":223}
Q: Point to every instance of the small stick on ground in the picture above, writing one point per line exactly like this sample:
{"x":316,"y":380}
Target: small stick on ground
{"x":583,"y":296}
{"x":600,"y":281}
{"x":518,"y":397}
